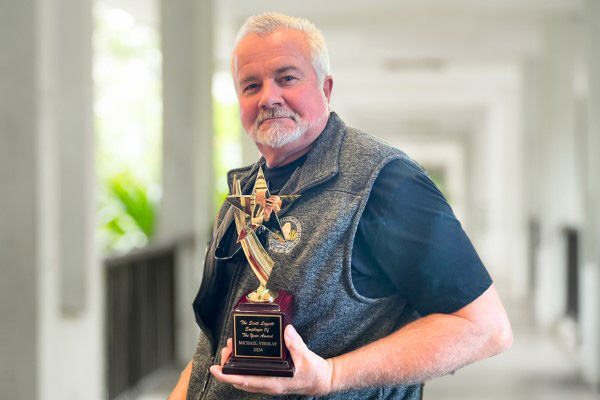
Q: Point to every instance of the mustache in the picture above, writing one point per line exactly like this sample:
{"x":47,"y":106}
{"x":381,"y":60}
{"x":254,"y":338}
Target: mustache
{"x":263,"y":115}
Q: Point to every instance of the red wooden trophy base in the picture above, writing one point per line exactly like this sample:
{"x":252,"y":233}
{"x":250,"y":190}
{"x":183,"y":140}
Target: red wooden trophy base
{"x":258,"y":345}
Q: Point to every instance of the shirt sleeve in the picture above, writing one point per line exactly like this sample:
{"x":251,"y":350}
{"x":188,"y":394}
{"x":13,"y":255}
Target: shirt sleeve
{"x":414,"y":242}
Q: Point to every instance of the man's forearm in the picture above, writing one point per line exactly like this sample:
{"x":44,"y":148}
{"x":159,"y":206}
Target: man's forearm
{"x":180,"y":390}
{"x":426,"y":348}
{"x":431,"y":346}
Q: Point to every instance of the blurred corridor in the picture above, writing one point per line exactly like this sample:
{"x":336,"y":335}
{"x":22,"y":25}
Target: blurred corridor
{"x":118,"y":120}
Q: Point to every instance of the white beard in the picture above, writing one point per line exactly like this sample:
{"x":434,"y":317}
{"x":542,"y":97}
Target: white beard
{"x":277,"y":134}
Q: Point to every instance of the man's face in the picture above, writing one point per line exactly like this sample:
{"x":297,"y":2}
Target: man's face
{"x":282,"y":104}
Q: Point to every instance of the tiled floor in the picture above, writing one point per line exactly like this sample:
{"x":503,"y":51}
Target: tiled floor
{"x":535,"y":368}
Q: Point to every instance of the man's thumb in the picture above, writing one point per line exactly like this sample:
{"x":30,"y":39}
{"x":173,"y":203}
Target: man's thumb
{"x":293,"y":341}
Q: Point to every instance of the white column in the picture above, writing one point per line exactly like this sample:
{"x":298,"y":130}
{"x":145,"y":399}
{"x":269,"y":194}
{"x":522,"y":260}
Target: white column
{"x":187,"y":206}
{"x":18,"y":219}
{"x":51,"y":335}
{"x":502,"y":187}
{"x":590,"y":274}
{"x":515,"y":206}
{"x":560,"y":195}
{"x":70,"y":279}
{"x":532,"y":168}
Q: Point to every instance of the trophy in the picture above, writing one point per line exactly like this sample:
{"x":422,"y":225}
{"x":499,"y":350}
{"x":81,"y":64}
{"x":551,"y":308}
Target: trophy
{"x":260,"y":316}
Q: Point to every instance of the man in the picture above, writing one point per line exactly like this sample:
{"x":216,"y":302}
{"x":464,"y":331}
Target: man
{"x":388,"y":290}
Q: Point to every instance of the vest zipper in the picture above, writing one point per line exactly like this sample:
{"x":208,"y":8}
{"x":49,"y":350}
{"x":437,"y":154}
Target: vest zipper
{"x":205,"y":384}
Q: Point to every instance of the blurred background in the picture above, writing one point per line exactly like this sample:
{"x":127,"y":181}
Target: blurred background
{"x":118,"y":121}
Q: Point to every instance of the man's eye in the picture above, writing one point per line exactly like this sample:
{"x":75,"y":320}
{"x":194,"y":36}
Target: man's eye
{"x":251,"y":87}
{"x":288,"y":78}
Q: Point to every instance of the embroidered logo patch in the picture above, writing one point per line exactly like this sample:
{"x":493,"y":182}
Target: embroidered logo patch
{"x":293,"y":232}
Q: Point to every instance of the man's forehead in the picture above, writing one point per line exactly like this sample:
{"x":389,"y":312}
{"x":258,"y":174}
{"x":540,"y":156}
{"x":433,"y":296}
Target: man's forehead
{"x":280,"y":43}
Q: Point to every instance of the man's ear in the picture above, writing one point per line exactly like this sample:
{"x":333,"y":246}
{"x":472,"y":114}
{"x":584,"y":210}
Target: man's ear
{"x":328,"y":86}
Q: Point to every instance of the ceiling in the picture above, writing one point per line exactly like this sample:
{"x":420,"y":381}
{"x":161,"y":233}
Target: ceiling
{"x":408,"y":67}
{"x":415,"y":67}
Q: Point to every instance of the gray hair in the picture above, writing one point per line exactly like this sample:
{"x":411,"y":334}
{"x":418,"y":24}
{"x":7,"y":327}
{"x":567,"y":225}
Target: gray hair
{"x":267,"y":23}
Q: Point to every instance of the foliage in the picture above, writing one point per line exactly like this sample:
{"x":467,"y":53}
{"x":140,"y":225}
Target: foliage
{"x":128,"y":214}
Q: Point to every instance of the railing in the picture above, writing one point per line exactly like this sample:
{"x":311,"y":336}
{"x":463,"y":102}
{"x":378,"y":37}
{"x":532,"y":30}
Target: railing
{"x":140,"y":309}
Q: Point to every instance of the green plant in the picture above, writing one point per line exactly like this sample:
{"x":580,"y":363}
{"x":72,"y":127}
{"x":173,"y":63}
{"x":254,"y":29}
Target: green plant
{"x":128,"y":213}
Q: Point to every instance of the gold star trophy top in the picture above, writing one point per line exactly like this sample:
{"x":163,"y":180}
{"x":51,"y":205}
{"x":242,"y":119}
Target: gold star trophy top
{"x":253,"y":211}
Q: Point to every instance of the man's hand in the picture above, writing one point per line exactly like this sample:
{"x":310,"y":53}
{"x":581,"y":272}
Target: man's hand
{"x":180,"y":391}
{"x":312,"y":377}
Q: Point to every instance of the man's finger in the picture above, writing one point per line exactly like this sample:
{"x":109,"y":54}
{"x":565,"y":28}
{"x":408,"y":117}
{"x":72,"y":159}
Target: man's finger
{"x":226,"y":352}
{"x":245,"y":382}
{"x":249,"y":389}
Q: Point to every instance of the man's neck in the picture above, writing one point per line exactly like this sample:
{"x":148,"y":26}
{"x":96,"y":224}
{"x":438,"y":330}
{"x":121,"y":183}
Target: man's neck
{"x":276,"y":158}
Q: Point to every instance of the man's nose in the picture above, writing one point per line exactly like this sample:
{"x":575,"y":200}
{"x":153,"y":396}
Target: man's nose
{"x":270,"y":96}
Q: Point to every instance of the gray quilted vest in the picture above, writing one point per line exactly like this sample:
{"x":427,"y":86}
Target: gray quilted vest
{"x":329,"y":314}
